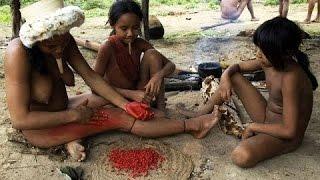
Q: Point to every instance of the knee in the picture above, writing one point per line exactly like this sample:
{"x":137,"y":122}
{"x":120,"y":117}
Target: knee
{"x":152,"y":57}
{"x":242,"y":157}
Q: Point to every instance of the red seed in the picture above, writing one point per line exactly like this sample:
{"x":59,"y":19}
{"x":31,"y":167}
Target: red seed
{"x":137,"y":162}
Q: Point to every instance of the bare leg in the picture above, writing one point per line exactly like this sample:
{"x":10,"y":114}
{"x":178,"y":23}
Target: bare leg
{"x":118,"y":120}
{"x":205,"y":109}
{"x":280,"y":7}
{"x":152,"y":63}
{"x":242,"y":5}
{"x":198,"y":126}
{"x":317,"y":19}
{"x":253,"y":101}
{"x":250,"y":8}
{"x":285,"y":8}
{"x":260,"y":147}
{"x":310,"y":9}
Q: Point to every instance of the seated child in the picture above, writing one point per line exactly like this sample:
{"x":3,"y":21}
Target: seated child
{"x":232,"y":9}
{"x":280,"y":122}
{"x":310,"y":9}
{"x":118,"y":60}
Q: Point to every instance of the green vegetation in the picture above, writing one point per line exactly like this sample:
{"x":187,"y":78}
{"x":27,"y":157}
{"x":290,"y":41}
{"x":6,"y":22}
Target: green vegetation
{"x":271,"y":2}
{"x":276,"y":2}
{"x":299,"y":1}
{"x":5,"y":14}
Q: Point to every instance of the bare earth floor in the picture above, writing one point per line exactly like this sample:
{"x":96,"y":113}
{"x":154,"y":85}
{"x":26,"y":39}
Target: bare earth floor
{"x":211,"y":155}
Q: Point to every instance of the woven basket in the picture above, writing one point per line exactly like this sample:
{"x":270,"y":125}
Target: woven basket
{"x":40,"y":9}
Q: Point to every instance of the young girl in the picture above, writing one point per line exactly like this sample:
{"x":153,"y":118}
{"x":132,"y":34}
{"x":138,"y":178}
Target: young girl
{"x":118,"y":60}
{"x":279,"y":123}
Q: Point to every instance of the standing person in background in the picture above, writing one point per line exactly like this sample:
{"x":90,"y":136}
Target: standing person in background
{"x":311,"y":4}
{"x":283,"y":8}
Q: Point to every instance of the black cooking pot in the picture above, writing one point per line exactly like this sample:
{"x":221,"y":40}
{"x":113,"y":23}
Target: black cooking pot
{"x":209,"y":68}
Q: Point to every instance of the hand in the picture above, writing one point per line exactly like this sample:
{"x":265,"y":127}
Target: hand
{"x":247,"y":133}
{"x":139,"y":110}
{"x":82,"y":113}
{"x":225,"y":88}
{"x":141,"y":96}
{"x":154,"y":85}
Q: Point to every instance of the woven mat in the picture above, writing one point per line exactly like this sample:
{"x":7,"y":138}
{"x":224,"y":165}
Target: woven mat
{"x":175,"y":166}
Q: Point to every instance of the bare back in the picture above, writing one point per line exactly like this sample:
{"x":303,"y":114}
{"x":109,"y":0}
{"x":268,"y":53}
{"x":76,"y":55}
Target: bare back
{"x":274,"y":110}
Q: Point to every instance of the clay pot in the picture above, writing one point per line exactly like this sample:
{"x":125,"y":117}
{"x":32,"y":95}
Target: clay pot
{"x":210,"y":68}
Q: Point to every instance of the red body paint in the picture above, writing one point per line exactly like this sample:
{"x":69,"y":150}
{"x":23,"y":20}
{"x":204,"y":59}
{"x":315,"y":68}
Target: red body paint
{"x":103,"y":119}
{"x":137,"y":162}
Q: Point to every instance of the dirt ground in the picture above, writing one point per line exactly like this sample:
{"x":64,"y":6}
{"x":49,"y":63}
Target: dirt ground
{"x":186,"y":45}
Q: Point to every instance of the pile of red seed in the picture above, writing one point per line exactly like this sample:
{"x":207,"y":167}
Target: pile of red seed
{"x":137,"y":162}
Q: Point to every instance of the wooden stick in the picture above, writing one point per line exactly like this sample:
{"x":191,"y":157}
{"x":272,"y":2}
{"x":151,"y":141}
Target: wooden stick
{"x":130,"y":48}
{"x":88,"y":44}
{"x":60,"y":65}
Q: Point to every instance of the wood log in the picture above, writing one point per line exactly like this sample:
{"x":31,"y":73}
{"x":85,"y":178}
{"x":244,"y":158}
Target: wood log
{"x":145,"y":12}
{"x":156,"y":30}
{"x":88,"y":44}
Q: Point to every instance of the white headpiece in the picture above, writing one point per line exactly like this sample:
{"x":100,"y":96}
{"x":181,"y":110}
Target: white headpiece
{"x":60,"y":22}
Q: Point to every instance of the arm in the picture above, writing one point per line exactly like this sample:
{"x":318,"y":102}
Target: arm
{"x":288,"y":128}
{"x":243,"y":67}
{"x":225,"y":82}
{"x":153,"y":87}
{"x":17,"y":79}
{"x":103,"y":58}
{"x":93,"y":79}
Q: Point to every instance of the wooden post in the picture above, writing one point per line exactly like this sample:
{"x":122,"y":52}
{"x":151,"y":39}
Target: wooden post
{"x":145,"y":12}
{"x":16,"y":18}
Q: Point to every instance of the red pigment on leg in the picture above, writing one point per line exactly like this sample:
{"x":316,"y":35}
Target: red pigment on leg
{"x":137,"y":162}
{"x":101,"y":120}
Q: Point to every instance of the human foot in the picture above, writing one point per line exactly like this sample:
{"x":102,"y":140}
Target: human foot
{"x":205,"y":123}
{"x":306,"y":21}
{"x":317,"y":20}
{"x":181,"y":108}
{"x":76,"y":150}
{"x":254,"y":19}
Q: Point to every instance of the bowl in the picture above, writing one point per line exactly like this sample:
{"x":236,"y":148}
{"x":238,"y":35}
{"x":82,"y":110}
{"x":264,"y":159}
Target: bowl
{"x":209,"y":68}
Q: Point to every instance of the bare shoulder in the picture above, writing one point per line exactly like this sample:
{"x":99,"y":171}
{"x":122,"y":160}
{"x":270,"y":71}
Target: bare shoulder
{"x":292,"y":79}
{"x":105,"y":46}
{"x":15,"y":53}
{"x":143,"y":45}
{"x":15,"y":46}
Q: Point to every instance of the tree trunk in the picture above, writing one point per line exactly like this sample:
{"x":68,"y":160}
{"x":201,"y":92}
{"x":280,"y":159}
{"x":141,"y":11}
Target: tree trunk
{"x":16,"y":18}
{"x":145,"y":12}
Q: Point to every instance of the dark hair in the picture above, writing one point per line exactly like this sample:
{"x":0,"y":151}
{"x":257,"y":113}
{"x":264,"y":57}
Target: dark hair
{"x":279,"y":39}
{"x":122,"y":7}
{"x":37,"y":59}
